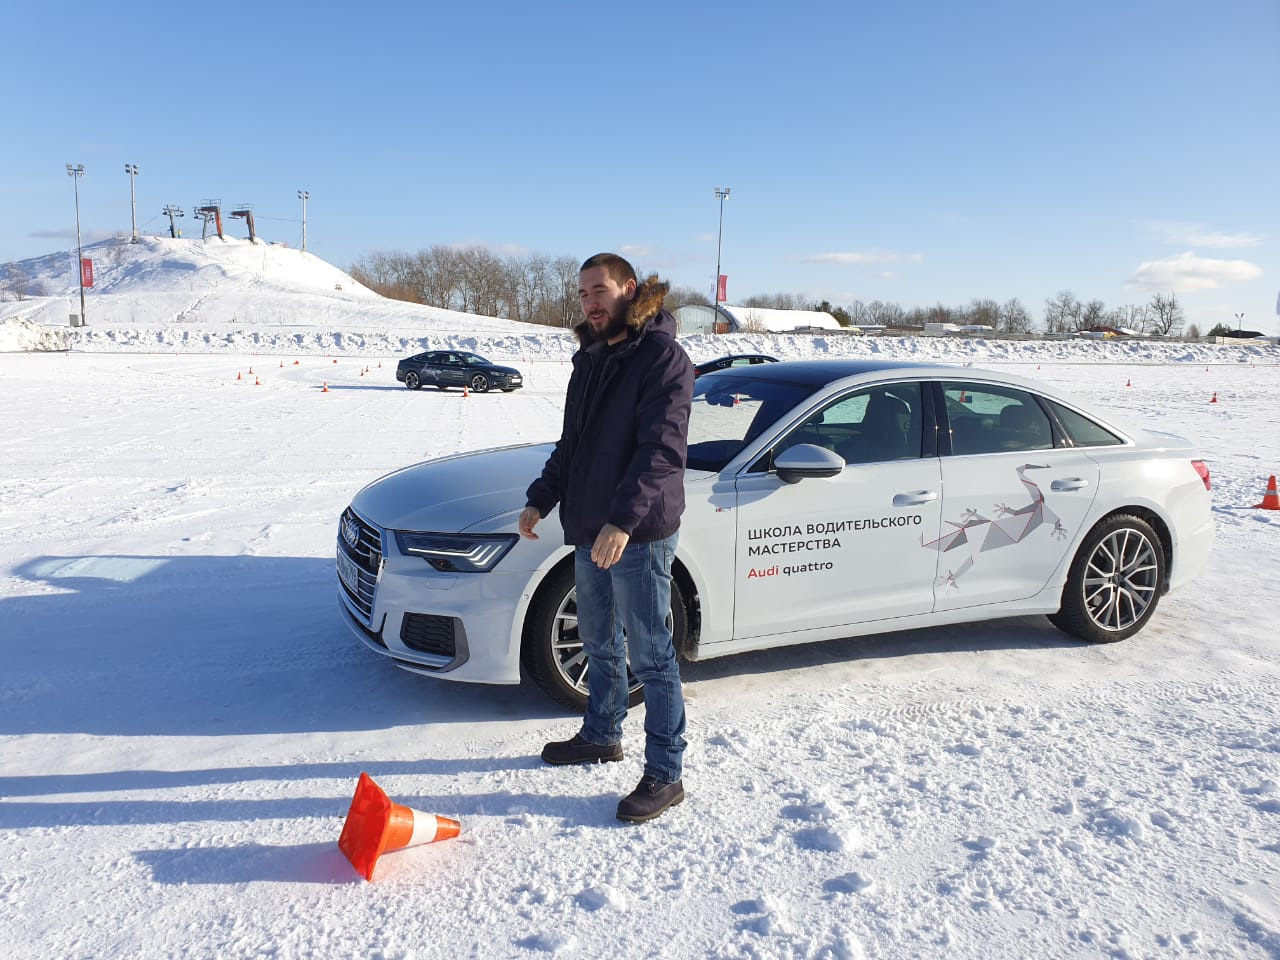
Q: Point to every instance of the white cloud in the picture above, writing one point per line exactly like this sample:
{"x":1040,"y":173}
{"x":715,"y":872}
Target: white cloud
{"x":1198,"y":235}
{"x":1187,"y":271}
{"x":857,"y":257}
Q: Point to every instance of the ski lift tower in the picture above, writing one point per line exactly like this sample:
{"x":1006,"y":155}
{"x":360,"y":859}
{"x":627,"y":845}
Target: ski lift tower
{"x":173,"y":211}
{"x":207,"y":211}
{"x":245,"y":212}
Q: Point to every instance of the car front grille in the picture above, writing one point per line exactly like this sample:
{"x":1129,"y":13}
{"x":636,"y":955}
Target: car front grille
{"x":429,"y":633}
{"x":360,"y":543}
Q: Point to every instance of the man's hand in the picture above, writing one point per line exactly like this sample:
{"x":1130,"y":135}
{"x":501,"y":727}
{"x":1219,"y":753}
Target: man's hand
{"x":607,"y":550}
{"x":529,"y":518}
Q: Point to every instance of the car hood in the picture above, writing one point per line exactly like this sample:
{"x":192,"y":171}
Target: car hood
{"x":453,"y":493}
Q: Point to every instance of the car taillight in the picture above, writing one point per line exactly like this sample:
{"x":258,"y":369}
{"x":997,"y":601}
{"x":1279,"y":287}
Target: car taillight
{"x":1203,"y":470}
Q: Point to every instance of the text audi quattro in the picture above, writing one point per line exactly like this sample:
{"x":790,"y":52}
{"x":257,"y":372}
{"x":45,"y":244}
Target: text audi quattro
{"x":825,"y":499}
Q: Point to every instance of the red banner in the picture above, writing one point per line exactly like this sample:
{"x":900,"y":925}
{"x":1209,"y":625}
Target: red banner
{"x":722,"y":288}
{"x":86,"y":272}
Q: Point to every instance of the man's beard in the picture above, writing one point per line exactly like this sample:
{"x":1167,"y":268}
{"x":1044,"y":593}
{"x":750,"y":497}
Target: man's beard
{"x":617,"y":323}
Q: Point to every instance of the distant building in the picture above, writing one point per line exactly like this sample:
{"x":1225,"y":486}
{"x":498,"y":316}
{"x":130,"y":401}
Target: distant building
{"x":704,"y":318}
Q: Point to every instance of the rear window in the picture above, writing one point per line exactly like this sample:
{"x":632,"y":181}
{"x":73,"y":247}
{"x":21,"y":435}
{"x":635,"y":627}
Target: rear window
{"x":1083,"y":431}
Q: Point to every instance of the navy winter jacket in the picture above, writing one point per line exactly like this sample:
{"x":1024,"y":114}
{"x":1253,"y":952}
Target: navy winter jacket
{"x":621,"y":454}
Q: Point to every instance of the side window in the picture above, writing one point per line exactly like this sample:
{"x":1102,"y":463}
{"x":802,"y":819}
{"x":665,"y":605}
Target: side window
{"x":1083,"y":431}
{"x":871,"y":425}
{"x":989,"y":419}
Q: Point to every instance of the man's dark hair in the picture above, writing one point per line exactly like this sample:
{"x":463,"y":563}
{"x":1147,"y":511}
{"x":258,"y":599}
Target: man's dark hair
{"x":619,"y":270}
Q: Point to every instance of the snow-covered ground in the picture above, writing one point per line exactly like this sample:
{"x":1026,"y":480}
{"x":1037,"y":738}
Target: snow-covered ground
{"x":183,"y":716}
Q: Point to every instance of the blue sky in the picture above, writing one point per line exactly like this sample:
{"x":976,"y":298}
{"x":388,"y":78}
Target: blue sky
{"x":913,"y":152}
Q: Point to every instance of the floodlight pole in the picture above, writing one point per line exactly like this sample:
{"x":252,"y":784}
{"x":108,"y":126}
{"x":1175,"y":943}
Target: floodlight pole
{"x":720,"y":195}
{"x":132,"y":170}
{"x":75,"y":173}
{"x":303,"y":195}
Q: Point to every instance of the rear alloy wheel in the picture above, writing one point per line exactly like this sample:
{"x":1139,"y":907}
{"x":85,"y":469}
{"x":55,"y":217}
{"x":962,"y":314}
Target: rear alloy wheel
{"x":1114,"y":583}
{"x":480,"y":383}
{"x":552,"y":649}
{"x":412,"y":380}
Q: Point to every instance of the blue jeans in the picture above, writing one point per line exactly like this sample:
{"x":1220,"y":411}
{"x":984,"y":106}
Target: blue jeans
{"x":634,"y":595}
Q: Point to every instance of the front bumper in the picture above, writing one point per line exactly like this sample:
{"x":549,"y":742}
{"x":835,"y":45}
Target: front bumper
{"x":455,"y":626}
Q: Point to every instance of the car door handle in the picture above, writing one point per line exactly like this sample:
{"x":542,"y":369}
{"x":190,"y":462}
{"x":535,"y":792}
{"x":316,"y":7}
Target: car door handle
{"x":1070,"y":483}
{"x":914,"y":498}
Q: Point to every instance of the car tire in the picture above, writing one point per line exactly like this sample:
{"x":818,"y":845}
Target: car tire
{"x":412,"y":381}
{"x":480,"y":383}
{"x":1114,"y":583}
{"x":550,"y":648}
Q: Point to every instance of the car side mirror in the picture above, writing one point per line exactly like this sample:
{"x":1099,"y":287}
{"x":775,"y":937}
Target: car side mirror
{"x":807,"y":461}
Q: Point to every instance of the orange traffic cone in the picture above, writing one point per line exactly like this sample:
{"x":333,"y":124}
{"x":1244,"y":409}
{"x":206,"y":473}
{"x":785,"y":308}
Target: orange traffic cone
{"x":375,"y":825}
{"x":335,"y":359}
{"x":464,"y":391}
{"x":1129,"y":382}
{"x":237,"y":374}
{"x":281,"y":364}
{"x":297,"y":362}
{"x":257,"y":382}
{"x":1214,"y":398}
{"x":326,"y":387}
{"x":1271,"y":499}
{"x":251,"y":369}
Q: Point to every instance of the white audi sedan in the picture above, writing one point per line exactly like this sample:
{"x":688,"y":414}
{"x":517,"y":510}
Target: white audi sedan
{"x":825,"y":499}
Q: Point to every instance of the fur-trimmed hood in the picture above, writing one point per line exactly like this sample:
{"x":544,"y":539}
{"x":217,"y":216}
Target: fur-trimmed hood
{"x":646,"y":305}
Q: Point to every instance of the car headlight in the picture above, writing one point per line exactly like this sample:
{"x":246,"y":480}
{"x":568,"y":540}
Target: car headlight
{"x":457,"y":552}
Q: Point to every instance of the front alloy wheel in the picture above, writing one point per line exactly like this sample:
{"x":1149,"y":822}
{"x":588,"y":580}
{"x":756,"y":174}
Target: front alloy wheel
{"x":1114,"y":583}
{"x":553,"y":653}
{"x":480,"y":383}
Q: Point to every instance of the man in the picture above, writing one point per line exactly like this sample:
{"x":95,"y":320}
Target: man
{"x":617,"y":474}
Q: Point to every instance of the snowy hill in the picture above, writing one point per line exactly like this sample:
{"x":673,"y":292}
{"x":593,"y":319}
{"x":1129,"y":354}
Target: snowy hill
{"x":162,"y":293}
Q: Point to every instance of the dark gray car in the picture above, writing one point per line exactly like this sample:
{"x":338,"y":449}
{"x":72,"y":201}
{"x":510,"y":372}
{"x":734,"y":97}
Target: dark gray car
{"x":443,"y":369}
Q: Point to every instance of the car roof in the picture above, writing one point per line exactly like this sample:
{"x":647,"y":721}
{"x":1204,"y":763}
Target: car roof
{"x":816,"y":373}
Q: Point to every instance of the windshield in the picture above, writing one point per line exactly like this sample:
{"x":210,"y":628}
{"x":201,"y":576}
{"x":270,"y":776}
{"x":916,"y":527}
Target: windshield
{"x":730,"y":409}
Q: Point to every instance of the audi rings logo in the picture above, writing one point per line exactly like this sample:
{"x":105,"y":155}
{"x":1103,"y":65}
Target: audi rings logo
{"x":351,"y":532}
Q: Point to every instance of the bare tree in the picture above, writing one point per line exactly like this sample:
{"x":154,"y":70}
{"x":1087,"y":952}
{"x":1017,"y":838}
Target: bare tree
{"x":565,"y":270}
{"x":1014,"y":317}
{"x":1092,"y":315}
{"x":1062,"y":313}
{"x":885,"y":314}
{"x":1193,"y":333}
{"x":775,"y":301}
{"x":16,"y":283}
{"x":684,"y":296}
{"x":985,"y":312}
{"x":1166,"y":315}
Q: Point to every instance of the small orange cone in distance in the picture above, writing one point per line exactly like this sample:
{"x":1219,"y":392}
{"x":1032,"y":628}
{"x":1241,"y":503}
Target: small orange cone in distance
{"x":326,"y":387}
{"x":237,"y":374}
{"x":1214,"y":398}
{"x":375,"y":825}
{"x":257,"y":382}
{"x":1271,"y":499}
{"x":1129,"y":382}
